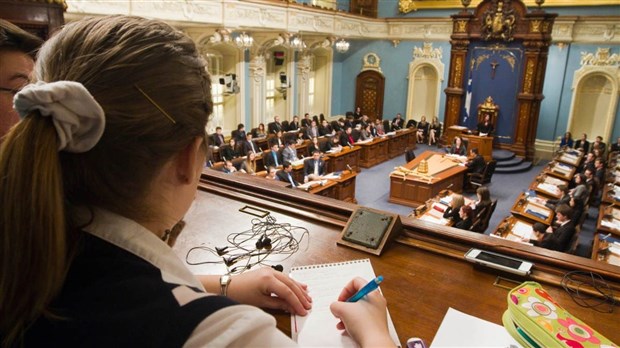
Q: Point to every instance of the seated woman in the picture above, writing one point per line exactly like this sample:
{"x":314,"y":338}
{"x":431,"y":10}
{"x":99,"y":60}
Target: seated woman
{"x":366,"y":132}
{"x":259,"y":132}
{"x":334,"y":145}
{"x":467,"y":217}
{"x":485,"y":127}
{"x":483,"y":203}
{"x":229,"y":152}
{"x":325,"y":129}
{"x":567,"y":141}
{"x":422,"y":130}
{"x":458,"y":148}
{"x":271,"y":173}
{"x":434,"y":131}
{"x":118,"y":128}
{"x":315,"y":146}
{"x":454,"y":209}
{"x":249,"y":165}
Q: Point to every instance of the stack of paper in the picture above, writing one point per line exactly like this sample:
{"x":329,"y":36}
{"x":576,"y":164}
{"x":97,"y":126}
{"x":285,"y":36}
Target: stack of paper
{"x":522,"y":230}
{"x":549,"y":188}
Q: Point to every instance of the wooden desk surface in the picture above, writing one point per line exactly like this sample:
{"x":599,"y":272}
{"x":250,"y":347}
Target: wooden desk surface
{"x":561,"y":170}
{"x":424,"y":268}
{"x":601,"y":252}
{"x":608,"y":214}
{"x":573,"y":157}
{"x":547,"y":186}
{"x":524,"y":208}
{"x":609,"y":191}
{"x":515,"y":229}
{"x":448,"y":167}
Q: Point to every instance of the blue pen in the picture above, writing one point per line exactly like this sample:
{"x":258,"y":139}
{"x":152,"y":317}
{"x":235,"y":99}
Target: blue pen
{"x":371,"y":286}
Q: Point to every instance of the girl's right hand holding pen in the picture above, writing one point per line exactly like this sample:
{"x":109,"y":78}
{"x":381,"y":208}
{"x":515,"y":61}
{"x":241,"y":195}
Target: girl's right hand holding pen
{"x":365,"y":320}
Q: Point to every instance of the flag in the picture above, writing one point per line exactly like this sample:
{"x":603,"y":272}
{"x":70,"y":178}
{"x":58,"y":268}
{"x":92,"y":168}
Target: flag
{"x":467,"y":100}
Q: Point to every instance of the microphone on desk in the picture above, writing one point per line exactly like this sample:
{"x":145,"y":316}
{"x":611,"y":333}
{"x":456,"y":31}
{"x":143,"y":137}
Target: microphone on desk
{"x":210,"y":163}
{"x":449,"y":186}
{"x":349,"y":168}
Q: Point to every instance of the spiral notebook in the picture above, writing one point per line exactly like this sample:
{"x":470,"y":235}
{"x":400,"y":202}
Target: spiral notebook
{"x":325,"y":282}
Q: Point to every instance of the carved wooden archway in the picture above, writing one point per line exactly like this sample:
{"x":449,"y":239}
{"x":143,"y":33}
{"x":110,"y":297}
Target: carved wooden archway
{"x":502,"y":22}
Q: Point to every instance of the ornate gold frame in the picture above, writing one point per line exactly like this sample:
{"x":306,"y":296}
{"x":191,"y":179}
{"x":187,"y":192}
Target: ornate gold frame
{"x":406,"y":6}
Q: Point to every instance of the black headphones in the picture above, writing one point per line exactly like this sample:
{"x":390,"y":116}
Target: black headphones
{"x":263,"y":242}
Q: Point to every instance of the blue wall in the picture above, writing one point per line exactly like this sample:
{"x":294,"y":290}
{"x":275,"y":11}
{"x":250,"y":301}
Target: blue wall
{"x":395,"y":66}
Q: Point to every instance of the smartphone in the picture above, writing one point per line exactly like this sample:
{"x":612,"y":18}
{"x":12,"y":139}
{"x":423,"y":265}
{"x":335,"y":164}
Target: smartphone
{"x":499,"y":261}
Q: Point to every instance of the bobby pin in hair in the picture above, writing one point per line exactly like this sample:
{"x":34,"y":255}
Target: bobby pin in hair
{"x":156,"y":105}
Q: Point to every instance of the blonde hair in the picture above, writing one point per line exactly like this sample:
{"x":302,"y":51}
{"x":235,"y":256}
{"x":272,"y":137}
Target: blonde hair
{"x":114,"y":58}
{"x":457,"y":201}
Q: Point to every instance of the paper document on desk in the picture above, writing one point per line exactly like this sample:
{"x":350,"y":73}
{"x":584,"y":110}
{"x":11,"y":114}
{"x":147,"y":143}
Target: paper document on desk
{"x":522,"y":230}
{"x":462,"y":330}
{"x":331,"y":176}
{"x":554,"y":181}
{"x":549,"y":188}
{"x":325,"y":282}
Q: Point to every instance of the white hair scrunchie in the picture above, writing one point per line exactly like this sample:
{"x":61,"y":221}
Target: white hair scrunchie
{"x":78,"y":118}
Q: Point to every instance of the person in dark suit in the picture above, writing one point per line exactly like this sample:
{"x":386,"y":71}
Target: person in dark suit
{"x":228,"y":152}
{"x":325,"y":128}
{"x":564,"y":199}
{"x":239,"y":134}
{"x":600,"y":171}
{"x":358,"y":113}
{"x":453,"y":211}
{"x":467,"y":216}
{"x":583,"y":143}
{"x":422,"y":130}
{"x":483,"y":203}
{"x":249,"y":145}
{"x":318,"y":146}
{"x":274,"y":157}
{"x":306,"y":121}
{"x":286,"y":174}
{"x":598,"y":144}
{"x":397,"y":122}
{"x":259,"y":132}
{"x":615,"y":147}
{"x":567,"y":140}
{"x":557,"y":238}
{"x":218,"y":137}
{"x":294,"y":124}
{"x":411,"y":124}
{"x":485,"y":127}
{"x":314,"y":167}
{"x":588,"y":163}
{"x":477,"y":163}
{"x":229,"y":168}
{"x":458,"y":148}
{"x":275,"y":126}
{"x":346,"y":138}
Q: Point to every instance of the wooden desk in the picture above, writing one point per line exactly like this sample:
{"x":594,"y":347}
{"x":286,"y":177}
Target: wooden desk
{"x":338,"y":161}
{"x":547,"y":186}
{"x":608,"y":220}
{"x":525,"y":209}
{"x":426,"y":261}
{"x":572,"y":157}
{"x":609,"y":191}
{"x":515,"y":229}
{"x":342,"y":188}
{"x":431,"y":211}
{"x":400,"y":140}
{"x":373,"y":152}
{"x":602,"y":252}
{"x":483,"y":144}
{"x":560,"y":170}
{"x":412,"y":190}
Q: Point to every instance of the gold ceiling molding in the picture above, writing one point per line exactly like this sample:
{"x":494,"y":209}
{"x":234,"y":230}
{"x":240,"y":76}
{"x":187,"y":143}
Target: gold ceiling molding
{"x":406,"y":6}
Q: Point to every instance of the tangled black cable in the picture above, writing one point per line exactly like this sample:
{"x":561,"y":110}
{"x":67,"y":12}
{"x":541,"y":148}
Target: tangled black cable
{"x":265,"y":239}
{"x":577,"y":282}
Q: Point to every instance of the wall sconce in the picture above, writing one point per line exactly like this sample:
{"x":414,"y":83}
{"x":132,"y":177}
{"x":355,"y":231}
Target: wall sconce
{"x":342,"y":45}
{"x":395,"y":43}
{"x":244,"y":41}
{"x":297,"y":43}
{"x":561,"y":46}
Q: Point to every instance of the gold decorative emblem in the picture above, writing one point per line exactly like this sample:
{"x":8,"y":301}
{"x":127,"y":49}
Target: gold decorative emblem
{"x":499,"y":22}
{"x":371,"y":62}
{"x":423,"y":167}
{"x":602,"y":57}
{"x":461,"y":26}
{"x":535,"y":26}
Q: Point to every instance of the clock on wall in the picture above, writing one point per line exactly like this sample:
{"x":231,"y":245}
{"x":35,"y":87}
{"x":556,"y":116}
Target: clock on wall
{"x":371,"y":62}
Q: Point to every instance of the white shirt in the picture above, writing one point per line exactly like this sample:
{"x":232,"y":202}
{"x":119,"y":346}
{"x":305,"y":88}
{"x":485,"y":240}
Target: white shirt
{"x":239,"y":326}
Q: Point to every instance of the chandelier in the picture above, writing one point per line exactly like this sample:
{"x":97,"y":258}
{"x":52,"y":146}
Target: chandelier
{"x":244,"y":41}
{"x":297,"y":43}
{"x":342,"y":46}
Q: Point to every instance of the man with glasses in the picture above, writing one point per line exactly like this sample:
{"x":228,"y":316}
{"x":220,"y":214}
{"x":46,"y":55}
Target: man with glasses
{"x":17,"y":52}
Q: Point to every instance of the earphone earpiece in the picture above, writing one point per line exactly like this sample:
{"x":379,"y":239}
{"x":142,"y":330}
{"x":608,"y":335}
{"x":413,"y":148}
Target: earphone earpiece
{"x":229,"y":261}
{"x":221,"y":251}
{"x":278,"y":268}
{"x":267,"y":243}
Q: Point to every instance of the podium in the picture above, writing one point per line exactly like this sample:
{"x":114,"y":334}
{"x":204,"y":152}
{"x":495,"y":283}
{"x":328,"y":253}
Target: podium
{"x":484,"y":144}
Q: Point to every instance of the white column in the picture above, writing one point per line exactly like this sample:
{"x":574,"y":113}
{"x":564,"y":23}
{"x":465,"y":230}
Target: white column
{"x":303,"y":83}
{"x":257,"y":89}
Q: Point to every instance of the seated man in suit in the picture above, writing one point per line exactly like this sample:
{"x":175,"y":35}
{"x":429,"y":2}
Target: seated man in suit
{"x":275,"y":126}
{"x":249,"y":145}
{"x":239,"y":134}
{"x":305,"y":122}
{"x":476,"y":164}
{"x":294,"y":124}
{"x":289,"y":154}
{"x":229,"y":168}
{"x":312,"y":131}
{"x":598,"y":144}
{"x":346,"y":138}
{"x":397,"y":122}
{"x":314,"y":168}
{"x":615,"y":147}
{"x":325,"y":129}
{"x":485,"y":127}
{"x":218,"y":137}
{"x":556,"y":238}
{"x":274,"y":157}
{"x":286,"y":174}
{"x":583,"y":143}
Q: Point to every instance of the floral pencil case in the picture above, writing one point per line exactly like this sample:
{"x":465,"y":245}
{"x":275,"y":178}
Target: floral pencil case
{"x":535,"y":320}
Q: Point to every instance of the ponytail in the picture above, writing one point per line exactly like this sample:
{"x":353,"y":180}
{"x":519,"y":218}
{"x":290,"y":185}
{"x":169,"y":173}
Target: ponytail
{"x":33,"y":235}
